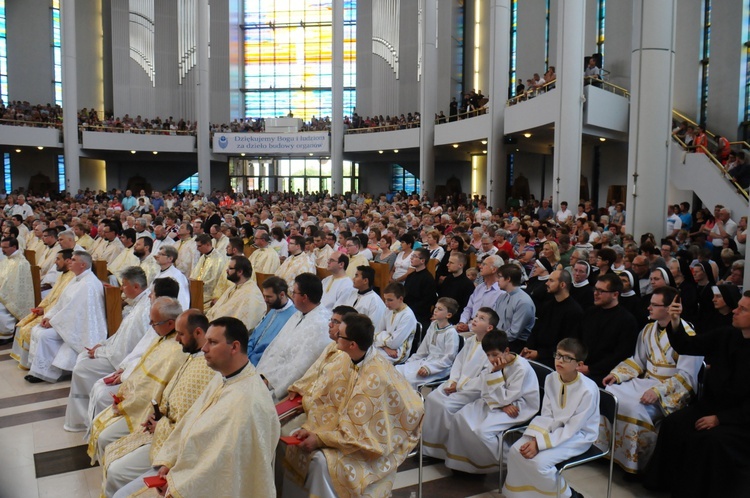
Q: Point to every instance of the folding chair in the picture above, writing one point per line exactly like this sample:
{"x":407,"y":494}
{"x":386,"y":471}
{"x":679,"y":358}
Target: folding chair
{"x":542,"y":371}
{"x":608,"y":406}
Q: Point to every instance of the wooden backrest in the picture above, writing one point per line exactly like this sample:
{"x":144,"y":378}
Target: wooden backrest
{"x":36,"y":280}
{"x":30,"y":256}
{"x":113,"y":308}
{"x":261,"y":277}
{"x":432,"y":266}
{"x":248,"y":250}
{"x":100,"y":270}
{"x":196,"y":294}
{"x":472,"y":260}
{"x":382,"y":275}
{"x":322,"y":272}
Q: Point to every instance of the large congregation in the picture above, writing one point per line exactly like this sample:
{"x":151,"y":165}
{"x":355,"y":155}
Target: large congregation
{"x":321,"y":320}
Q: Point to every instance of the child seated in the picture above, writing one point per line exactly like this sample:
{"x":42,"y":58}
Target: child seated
{"x":509,"y":396}
{"x":436,"y":353}
{"x":462,"y":387}
{"x":396,"y":330}
{"x":567,"y":427}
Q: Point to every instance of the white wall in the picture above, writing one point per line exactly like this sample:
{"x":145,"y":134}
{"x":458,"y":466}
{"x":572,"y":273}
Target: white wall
{"x":94,"y":174}
{"x":90,"y":55}
{"x":687,"y":55}
{"x":29,"y":38}
{"x":618,"y":43}
{"x":530,"y":39}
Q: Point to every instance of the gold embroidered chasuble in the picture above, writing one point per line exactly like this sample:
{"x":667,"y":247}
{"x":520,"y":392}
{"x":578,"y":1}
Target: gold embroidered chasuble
{"x":153,"y":372}
{"x":376,"y":425}
{"x":244,"y":302}
{"x":264,"y":260}
{"x":209,"y":270}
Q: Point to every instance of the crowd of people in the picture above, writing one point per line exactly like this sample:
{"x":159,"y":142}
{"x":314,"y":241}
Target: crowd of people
{"x":290,"y":316}
{"x":20,"y":113}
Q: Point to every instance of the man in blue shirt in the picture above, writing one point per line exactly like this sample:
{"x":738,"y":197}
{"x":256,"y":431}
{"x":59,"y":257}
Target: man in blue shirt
{"x":280,"y":309}
{"x":515,"y":308}
{"x":129,"y":202}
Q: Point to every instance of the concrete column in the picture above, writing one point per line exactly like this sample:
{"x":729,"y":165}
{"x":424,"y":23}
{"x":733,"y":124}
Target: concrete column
{"x":650,"y":116}
{"x":428,"y":14}
{"x":70,"y":96}
{"x":337,"y":100}
{"x":566,"y":179}
{"x":202,"y":97}
{"x":499,"y":27}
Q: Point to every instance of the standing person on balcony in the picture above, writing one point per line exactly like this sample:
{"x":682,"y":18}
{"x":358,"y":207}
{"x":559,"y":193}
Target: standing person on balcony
{"x":700,"y":143}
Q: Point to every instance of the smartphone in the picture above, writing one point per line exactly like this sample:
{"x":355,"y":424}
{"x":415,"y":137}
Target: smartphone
{"x":157,"y":412}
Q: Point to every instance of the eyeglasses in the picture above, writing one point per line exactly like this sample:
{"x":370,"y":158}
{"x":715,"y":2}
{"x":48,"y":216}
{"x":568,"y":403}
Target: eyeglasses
{"x":563,"y":357}
{"x":602,"y":291}
{"x":154,"y":324}
{"x":339,"y":336}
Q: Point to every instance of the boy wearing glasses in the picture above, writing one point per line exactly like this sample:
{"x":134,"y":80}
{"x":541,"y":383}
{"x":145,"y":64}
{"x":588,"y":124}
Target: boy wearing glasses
{"x":509,"y":395}
{"x":567,"y":426}
{"x":650,"y":385}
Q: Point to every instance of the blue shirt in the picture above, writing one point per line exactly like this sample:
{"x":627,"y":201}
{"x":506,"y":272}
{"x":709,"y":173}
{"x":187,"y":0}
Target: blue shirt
{"x":481,"y":297}
{"x":267,"y":330}
{"x":517,"y":314}
{"x":128,"y":203}
{"x":687,"y":221}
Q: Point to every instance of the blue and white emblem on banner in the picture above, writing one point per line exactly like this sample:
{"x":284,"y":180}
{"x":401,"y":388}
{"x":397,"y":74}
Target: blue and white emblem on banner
{"x":223,"y":142}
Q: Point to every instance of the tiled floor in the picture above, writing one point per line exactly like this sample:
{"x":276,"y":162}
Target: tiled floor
{"x":31,"y":424}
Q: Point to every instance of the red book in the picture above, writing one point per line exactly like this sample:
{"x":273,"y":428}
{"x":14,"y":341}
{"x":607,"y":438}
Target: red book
{"x":290,"y":440}
{"x":288,"y":405}
{"x":155,"y":481}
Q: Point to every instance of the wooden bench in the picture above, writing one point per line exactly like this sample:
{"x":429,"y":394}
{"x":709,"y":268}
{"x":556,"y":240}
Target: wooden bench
{"x":432,"y":266}
{"x":113,"y":308}
{"x":100,"y":270}
{"x":36,"y":280}
{"x":322,"y":272}
{"x":196,"y":294}
{"x":248,"y":250}
{"x":261,"y":277}
{"x":382,"y":275}
{"x":30,"y":256}
{"x":472,"y":260}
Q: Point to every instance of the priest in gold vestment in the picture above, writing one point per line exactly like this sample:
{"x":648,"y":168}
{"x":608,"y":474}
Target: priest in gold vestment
{"x":130,"y":456}
{"x":297,"y":262}
{"x":151,"y":375}
{"x":224,"y":446}
{"x":264,"y":259}
{"x":23,"y":334}
{"x":357,"y":452}
{"x":243,"y":299}
{"x":16,"y":288}
{"x":209,"y":269}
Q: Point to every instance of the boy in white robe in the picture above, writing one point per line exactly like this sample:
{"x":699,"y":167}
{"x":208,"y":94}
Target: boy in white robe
{"x":438,"y":349}
{"x":364,"y":298}
{"x":396,"y":330}
{"x":463,"y":385}
{"x":509,"y":396}
{"x":567,"y":427}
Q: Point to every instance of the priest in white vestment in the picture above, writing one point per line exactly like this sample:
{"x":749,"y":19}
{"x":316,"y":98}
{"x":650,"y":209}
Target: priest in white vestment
{"x":296,"y":263}
{"x":111,"y":246}
{"x":142,"y":251}
{"x":210,"y":268}
{"x":300,"y":341}
{"x":187,"y":253}
{"x":264,"y":259}
{"x":103,"y":359}
{"x":243,"y":299}
{"x":125,"y":259}
{"x":364,"y":298}
{"x":337,"y":286}
{"x":165,"y":258}
{"x":322,"y":251}
{"x":16,"y":288}
{"x":231,"y":430}
{"x":75,"y":322}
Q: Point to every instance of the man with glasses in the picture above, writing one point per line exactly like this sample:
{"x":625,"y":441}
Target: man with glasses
{"x":242,"y":299}
{"x":165,"y":258}
{"x":337,"y":286}
{"x":297,"y":263}
{"x":485,"y":294}
{"x":300,"y":341}
{"x":353,"y":246}
{"x":641,"y":270}
{"x":650,"y":385}
{"x":209,"y":269}
{"x":132,"y":404}
{"x":608,"y":330}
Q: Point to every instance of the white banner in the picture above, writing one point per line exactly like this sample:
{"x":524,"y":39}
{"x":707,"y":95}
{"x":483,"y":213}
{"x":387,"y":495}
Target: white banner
{"x":271,"y":143}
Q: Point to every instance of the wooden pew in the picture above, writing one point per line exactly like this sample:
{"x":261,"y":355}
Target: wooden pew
{"x":196,"y":294}
{"x":261,"y":277}
{"x":100,"y":270}
{"x":432,"y":266}
{"x":248,"y":250}
{"x":322,"y":272}
{"x":382,"y":275}
{"x":30,"y":256}
{"x":472,"y":260}
{"x":36,"y":280}
{"x":113,"y":308}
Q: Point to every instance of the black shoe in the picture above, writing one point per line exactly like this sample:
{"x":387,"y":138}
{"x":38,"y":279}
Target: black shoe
{"x":32,"y":379}
{"x":575,"y":494}
{"x":8,"y":340}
